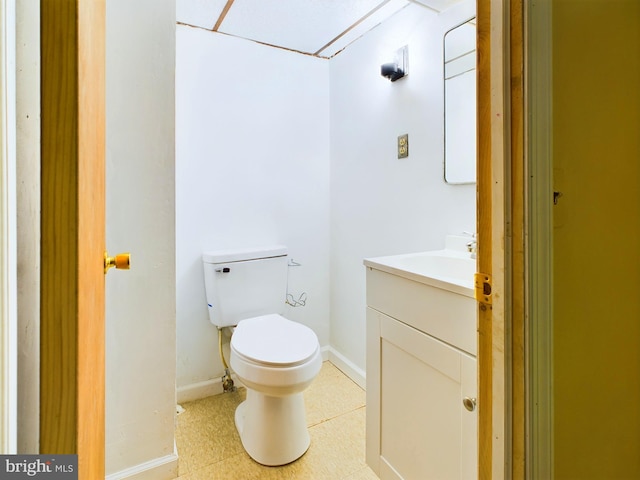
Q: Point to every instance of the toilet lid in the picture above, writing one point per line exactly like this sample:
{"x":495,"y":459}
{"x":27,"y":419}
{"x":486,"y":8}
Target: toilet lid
{"x":274,"y":340}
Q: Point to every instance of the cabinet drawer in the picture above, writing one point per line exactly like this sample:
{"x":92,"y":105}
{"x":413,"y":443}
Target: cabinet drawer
{"x":448,"y":316}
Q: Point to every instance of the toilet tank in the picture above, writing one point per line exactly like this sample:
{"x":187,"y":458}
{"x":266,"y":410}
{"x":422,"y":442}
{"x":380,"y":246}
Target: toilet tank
{"x":245,"y":283}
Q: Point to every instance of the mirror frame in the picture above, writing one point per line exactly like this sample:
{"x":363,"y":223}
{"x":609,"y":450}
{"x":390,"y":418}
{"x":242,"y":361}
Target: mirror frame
{"x":472,"y":176}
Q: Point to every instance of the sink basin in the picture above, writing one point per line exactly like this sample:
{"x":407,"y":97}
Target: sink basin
{"x":451,"y":270}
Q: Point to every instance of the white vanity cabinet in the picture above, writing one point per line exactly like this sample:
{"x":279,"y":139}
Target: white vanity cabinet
{"x":421,"y":377}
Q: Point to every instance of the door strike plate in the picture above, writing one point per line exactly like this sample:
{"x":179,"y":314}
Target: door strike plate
{"x":482,"y":283}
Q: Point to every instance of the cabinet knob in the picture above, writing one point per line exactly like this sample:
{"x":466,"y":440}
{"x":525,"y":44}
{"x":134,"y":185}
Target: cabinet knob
{"x":469,"y":403}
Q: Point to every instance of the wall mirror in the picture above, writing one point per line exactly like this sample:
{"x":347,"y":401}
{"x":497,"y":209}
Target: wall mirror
{"x":460,"y":104}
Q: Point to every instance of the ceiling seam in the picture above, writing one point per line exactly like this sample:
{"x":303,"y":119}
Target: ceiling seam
{"x":416,"y":2}
{"x":273,"y":46}
{"x":252,"y":40}
{"x":325,"y":48}
{"x":362,"y":19}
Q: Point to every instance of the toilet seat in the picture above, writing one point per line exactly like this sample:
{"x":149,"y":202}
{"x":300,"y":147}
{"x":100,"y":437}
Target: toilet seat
{"x":274,"y":341}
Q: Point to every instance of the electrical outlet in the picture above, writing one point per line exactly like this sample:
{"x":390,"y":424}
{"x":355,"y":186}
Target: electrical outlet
{"x":403,"y":146}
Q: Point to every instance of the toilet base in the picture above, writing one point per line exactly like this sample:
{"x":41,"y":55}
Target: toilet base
{"x":273,"y":430}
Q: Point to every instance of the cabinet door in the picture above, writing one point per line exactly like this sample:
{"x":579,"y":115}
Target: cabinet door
{"x":415,"y":405}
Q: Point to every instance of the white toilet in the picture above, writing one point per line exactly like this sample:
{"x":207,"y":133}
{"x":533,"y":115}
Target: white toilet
{"x":275,"y":358}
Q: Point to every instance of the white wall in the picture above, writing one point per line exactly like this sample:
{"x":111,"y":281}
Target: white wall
{"x":140,"y":311}
{"x":252,"y":168}
{"x":382,"y":205}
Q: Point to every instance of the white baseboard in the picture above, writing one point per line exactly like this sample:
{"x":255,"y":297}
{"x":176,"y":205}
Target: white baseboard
{"x":325,"y":352}
{"x":208,"y":388}
{"x":347,"y":367}
{"x":196,"y":391}
{"x":163,"y":468}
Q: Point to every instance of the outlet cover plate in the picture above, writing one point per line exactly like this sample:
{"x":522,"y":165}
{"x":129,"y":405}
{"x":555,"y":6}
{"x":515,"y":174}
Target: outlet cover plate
{"x":403,"y":146}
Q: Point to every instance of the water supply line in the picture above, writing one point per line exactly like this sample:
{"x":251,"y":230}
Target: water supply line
{"x":227,"y":381}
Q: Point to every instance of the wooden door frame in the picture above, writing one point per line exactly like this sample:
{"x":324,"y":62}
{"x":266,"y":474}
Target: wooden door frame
{"x":72,"y":371}
{"x":501,"y":217}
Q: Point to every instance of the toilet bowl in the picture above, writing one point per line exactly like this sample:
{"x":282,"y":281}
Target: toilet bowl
{"x":276,"y":359}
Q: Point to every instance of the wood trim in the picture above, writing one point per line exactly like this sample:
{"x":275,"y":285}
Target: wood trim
{"x":498,"y":187}
{"x":517,"y":239}
{"x":500,"y":194}
{"x":223,"y":14}
{"x":59,"y":157}
{"x":484,"y":233}
{"x":91,"y":232}
{"x":73,"y":232}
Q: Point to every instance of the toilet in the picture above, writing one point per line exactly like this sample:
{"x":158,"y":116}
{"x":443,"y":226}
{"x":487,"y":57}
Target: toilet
{"x":275,"y":358}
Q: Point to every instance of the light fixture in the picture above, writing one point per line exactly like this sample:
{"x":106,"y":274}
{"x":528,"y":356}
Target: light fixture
{"x":400,"y":66}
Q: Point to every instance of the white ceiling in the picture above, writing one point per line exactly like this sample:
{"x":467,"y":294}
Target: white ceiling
{"x":316,"y":27}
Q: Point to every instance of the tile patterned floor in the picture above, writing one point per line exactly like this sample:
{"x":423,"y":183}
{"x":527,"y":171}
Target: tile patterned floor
{"x":210,"y":449}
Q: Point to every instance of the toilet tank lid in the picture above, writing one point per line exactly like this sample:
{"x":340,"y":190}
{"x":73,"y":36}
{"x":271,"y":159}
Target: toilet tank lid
{"x":242,"y":254}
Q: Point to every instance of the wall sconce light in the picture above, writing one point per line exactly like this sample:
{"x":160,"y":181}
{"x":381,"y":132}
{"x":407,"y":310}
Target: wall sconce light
{"x":400,"y":66}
